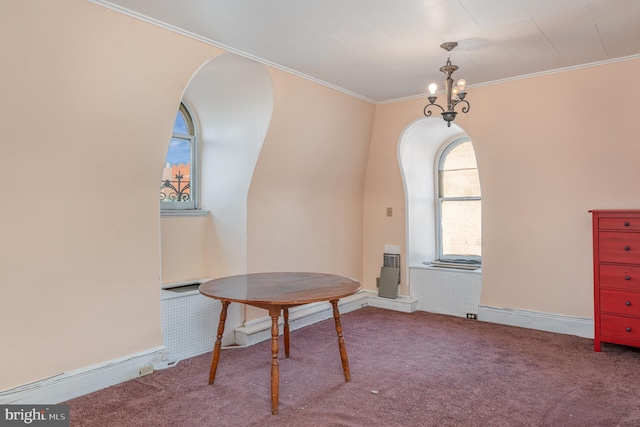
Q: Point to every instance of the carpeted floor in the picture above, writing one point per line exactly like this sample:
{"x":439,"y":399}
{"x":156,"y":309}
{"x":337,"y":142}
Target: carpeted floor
{"x":418,"y":369}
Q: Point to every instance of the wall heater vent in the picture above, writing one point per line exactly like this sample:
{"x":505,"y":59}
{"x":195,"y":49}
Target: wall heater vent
{"x":391,"y":260}
{"x":190,"y":322}
{"x":446,"y":290}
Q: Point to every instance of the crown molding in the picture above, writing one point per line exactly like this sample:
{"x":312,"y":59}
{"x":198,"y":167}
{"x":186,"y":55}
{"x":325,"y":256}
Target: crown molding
{"x":185,"y":33}
{"x":230,"y":49}
{"x":524,"y":76}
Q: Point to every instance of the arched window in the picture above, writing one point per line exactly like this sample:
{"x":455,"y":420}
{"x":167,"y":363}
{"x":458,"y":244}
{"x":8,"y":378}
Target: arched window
{"x":458,"y":219}
{"x":179,"y":184}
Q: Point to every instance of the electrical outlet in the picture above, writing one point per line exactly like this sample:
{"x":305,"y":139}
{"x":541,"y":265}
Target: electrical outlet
{"x":145,"y":370}
{"x":472,"y":316}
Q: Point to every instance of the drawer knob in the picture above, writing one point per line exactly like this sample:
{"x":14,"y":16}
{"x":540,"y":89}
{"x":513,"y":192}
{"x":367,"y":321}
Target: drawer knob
{"x":627,"y":277}
{"x":626,"y":248}
{"x":626,"y":223}
{"x":628,"y":329}
{"x":628,"y":303}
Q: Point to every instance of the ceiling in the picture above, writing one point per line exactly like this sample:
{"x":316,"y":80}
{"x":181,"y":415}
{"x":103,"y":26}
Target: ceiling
{"x":382,"y":50}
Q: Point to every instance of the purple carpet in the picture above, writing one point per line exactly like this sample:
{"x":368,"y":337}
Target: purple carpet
{"x":418,"y":369}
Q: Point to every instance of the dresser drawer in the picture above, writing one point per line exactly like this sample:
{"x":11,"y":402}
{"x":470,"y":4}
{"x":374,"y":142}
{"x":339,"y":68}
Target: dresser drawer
{"x":620,"y":277}
{"x":620,"y":302}
{"x":619,"y":247}
{"x":620,"y":327}
{"x":619,"y":223}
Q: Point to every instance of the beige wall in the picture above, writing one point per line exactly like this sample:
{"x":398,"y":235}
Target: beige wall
{"x":306,"y":199}
{"x":89,"y":97}
{"x":383,"y":189}
{"x":549,"y":149}
{"x":184,"y":248}
{"x":81,"y":249}
{"x":305,"y":202}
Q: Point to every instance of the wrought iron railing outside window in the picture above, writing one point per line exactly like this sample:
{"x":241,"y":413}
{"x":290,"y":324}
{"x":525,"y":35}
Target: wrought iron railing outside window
{"x":176,"y":190}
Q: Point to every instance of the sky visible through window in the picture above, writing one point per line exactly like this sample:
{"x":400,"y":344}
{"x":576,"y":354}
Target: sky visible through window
{"x":179,"y":150}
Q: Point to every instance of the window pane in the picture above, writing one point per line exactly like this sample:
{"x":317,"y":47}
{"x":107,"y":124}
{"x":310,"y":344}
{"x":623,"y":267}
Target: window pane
{"x":461,"y":228}
{"x":176,"y":176}
{"x":179,"y":152}
{"x":180,"y":126}
{"x":459,"y":173}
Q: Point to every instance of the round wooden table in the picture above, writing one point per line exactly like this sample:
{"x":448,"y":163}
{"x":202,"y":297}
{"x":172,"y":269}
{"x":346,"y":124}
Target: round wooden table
{"x":277,"y":292}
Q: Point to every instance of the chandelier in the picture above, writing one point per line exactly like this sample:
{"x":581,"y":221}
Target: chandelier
{"x":455,"y":94}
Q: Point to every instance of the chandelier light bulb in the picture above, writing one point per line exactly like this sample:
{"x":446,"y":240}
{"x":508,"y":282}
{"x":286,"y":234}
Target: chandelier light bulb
{"x":454,"y":91}
{"x":432,"y":88}
{"x":461,"y":84}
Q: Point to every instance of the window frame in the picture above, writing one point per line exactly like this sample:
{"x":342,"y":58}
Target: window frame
{"x":440,"y":159}
{"x":176,"y":208}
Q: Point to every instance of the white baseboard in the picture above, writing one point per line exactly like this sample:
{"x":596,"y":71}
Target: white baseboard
{"x":93,"y":378}
{"x":579,"y":326}
{"x":87,"y":380}
{"x":405,"y":304}
{"x":82,"y":381}
{"x":259,"y":330}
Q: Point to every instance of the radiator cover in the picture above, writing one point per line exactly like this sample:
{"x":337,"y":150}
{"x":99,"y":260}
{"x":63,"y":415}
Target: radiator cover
{"x":446,"y":290}
{"x":190,"y":323}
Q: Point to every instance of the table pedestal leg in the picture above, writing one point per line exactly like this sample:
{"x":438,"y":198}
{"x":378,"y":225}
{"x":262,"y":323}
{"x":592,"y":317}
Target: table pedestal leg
{"x":341,"y":345}
{"x":285,"y":314}
{"x":218,"y":345}
{"x":274,"y":312}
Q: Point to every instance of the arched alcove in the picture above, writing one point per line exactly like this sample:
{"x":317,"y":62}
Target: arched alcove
{"x":231,"y":99}
{"x":446,"y":291}
{"x":418,"y":148}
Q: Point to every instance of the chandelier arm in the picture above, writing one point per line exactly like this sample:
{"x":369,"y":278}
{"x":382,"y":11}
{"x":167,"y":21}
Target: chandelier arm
{"x":459,"y":101}
{"x":428,"y":112}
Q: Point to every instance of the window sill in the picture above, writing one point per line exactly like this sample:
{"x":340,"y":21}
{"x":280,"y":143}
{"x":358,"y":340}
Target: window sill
{"x":450,"y":266}
{"x":184,"y":212}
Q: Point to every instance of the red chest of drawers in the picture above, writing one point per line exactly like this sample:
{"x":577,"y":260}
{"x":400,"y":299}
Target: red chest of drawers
{"x":616,"y":277}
